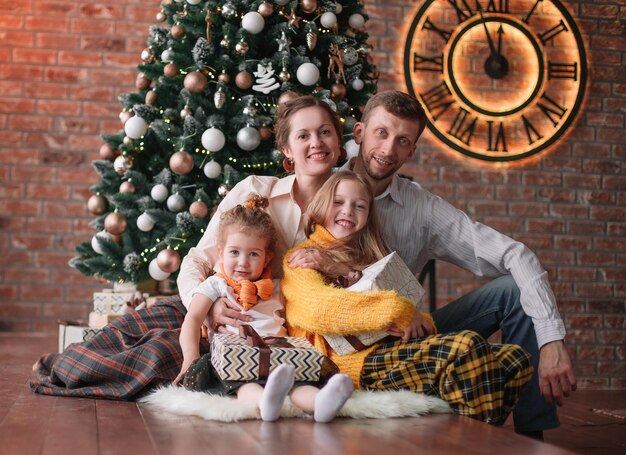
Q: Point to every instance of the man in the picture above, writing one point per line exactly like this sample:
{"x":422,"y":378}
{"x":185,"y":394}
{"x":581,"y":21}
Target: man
{"x":421,"y":226}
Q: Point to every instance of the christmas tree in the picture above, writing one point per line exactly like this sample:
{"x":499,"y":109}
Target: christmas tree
{"x":201,"y":119}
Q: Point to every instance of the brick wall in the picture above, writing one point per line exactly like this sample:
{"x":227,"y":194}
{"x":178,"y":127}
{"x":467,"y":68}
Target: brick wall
{"x":63,"y":63}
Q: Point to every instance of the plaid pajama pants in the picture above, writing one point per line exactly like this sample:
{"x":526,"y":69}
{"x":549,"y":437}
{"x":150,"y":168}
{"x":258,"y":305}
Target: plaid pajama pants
{"x":131,"y":356}
{"x":478,"y":379}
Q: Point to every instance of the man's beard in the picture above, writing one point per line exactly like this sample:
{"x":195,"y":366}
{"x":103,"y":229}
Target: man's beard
{"x":382,"y":175}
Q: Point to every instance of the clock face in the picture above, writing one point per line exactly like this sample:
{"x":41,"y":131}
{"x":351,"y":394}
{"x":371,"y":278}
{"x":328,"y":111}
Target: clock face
{"x":500,"y":80}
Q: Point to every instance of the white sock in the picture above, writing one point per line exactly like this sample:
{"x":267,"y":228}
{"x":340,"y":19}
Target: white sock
{"x":332,"y":397}
{"x":279,"y":383}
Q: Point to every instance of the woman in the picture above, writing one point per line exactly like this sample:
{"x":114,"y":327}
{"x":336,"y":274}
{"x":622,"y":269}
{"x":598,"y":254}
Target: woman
{"x":141,"y":350}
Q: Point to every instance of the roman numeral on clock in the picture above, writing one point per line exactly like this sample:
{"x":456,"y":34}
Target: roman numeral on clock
{"x":562,"y":70}
{"x":497,"y":144}
{"x":433,"y":63}
{"x":437,"y":100}
{"x":463,"y":127}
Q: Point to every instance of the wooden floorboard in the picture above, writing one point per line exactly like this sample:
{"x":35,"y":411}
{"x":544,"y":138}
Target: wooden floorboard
{"x":34,"y":424}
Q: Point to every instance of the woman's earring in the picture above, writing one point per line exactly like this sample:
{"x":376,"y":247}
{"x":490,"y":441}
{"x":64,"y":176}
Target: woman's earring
{"x":288,"y":164}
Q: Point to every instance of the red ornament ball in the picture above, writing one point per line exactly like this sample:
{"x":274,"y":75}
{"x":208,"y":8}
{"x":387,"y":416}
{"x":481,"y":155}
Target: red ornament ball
{"x":170,"y":70}
{"x":151,"y":97}
{"x":168,"y":260}
{"x":196,"y":82}
{"x":198,"y":209}
{"x":178,"y":31}
{"x":107,"y":152}
{"x":127,"y":187}
{"x":115,"y":223}
{"x":97,"y":204}
{"x":142,"y":82}
{"x":244,"y":80}
{"x":181,"y":163}
{"x":338,"y":91}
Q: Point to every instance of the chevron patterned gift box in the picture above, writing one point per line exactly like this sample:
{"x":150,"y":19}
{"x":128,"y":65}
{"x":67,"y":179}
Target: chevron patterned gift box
{"x":74,"y":332}
{"x":235,"y":360}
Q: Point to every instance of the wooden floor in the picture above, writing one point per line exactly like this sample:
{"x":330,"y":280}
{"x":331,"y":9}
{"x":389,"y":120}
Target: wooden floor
{"x":33,"y":424}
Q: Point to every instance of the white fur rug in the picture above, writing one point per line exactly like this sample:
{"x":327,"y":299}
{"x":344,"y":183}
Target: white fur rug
{"x":361,"y":405}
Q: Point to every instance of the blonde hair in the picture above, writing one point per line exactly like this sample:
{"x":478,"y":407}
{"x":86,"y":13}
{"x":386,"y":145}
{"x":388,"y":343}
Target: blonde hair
{"x":251,"y":218}
{"x":282,"y":125}
{"x":364,"y":247}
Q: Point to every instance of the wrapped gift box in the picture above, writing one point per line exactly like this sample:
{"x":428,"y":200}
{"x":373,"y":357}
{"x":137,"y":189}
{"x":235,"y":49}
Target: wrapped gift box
{"x":74,"y":332}
{"x":110,"y":302}
{"x":390,"y":273}
{"x":235,"y":360}
{"x":100,"y":320}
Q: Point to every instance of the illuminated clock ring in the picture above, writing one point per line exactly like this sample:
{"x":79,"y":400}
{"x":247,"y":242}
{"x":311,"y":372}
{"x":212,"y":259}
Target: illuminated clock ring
{"x":494,"y":102}
{"x":469,"y":25}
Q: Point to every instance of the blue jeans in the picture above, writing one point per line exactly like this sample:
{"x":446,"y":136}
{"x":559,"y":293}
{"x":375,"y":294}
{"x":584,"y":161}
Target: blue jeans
{"x":495,"y":306}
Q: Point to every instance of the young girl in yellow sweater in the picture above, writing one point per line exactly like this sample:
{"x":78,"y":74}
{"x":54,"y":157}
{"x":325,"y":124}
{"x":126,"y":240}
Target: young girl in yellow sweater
{"x":477,"y":379}
{"x":246,"y":241}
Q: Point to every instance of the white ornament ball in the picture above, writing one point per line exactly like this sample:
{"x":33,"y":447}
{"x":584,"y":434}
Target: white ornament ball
{"x":153,"y":268}
{"x":253,"y":22}
{"x":213,"y":139}
{"x":159,"y":192}
{"x":308,"y":74}
{"x":104,"y":235}
{"x":176,"y":203}
{"x":352,"y":148}
{"x":212,"y":169}
{"x":248,"y":138}
{"x":358,"y":84}
{"x":167,"y":56}
{"x":356,"y":21}
{"x":135,"y":127}
{"x":193,"y":2}
{"x":338,"y":8}
{"x":146,"y":55}
{"x":145,"y":222}
{"x":328,"y":19}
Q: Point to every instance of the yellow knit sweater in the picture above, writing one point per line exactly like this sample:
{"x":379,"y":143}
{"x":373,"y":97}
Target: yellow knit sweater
{"x":315,"y":308}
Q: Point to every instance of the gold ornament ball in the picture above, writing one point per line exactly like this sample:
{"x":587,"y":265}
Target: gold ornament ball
{"x":185,"y":112}
{"x":338,"y":91}
{"x":181,"y":163}
{"x":241,"y":48}
{"x":168,"y":260}
{"x":121,"y":164}
{"x":223,"y":189}
{"x":115,"y":223}
{"x":308,"y":6}
{"x":224,"y":77}
{"x":266,"y":9}
{"x":97,"y":204}
{"x":127,"y":187}
{"x":107,"y":152}
{"x":178,"y":31}
{"x":198,"y":209}
{"x":142,"y":82}
{"x":196,"y":82}
{"x":265,"y":132}
{"x":128,"y":142}
{"x":160,"y":17}
{"x":244,"y":80}
{"x":151,"y":97}
{"x":170,"y":70}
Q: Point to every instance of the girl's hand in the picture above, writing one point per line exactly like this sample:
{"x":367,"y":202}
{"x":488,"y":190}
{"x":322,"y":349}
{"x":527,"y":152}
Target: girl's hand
{"x":186,"y":364}
{"x":313,"y":258}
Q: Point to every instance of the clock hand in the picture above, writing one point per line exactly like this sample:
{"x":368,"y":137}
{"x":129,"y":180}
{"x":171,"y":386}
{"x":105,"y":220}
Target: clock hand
{"x":494,"y":52}
{"x":500,"y":33}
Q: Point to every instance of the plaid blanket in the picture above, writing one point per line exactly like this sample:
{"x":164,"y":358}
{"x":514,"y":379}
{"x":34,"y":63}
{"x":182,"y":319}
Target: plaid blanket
{"x":131,"y":356}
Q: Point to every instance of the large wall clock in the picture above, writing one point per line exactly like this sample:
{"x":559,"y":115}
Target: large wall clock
{"x":500,"y":80}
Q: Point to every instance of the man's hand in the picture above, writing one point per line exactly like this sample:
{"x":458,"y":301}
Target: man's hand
{"x":418,"y":327}
{"x":224,"y":312}
{"x":313,"y":258}
{"x":556,"y":377}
